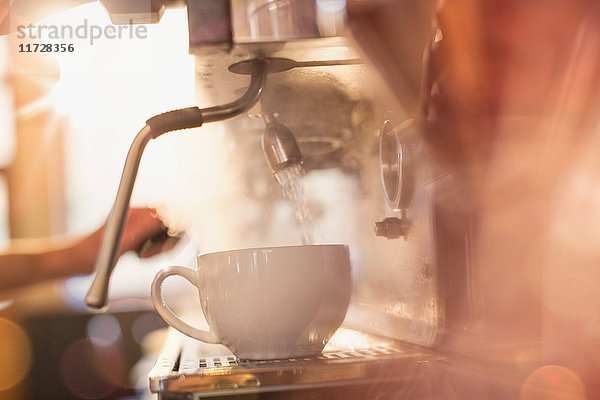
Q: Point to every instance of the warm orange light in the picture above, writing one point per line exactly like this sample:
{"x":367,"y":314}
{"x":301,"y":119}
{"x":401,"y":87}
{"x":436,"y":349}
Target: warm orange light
{"x":125,"y":78}
{"x":15,"y":354}
{"x":553,"y":382}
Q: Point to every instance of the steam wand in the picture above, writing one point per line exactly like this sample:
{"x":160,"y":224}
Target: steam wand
{"x":185,"y":118}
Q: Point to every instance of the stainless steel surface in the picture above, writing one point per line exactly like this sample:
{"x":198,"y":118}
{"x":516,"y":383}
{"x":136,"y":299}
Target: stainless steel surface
{"x":216,"y":84}
{"x":135,"y":11}
{"x":109,"y":250}
{"x":282,"y":19}
{"x":279,"y":145}
{"x":186,"y":366}
{"x":255,"y":22}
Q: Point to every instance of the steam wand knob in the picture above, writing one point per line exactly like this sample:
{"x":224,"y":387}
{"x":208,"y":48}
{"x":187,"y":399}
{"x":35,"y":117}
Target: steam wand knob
{"x":392,"y":228}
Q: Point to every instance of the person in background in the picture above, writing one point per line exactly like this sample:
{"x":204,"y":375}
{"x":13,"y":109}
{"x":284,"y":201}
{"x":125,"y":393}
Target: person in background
{"x":30,"y":261}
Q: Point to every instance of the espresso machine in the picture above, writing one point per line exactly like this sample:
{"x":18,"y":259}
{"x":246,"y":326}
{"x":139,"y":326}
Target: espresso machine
{"x":302,"y":110}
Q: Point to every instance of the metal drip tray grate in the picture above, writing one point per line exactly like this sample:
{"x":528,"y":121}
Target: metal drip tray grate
{"x":186,"y":366}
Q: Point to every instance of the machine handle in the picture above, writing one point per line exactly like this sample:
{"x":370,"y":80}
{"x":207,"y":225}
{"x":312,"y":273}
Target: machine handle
{"x":111,"y":242}
{"x":165,"y":312}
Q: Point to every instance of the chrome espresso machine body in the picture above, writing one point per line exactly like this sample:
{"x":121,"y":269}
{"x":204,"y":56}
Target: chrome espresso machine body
{"x":366,"y":178}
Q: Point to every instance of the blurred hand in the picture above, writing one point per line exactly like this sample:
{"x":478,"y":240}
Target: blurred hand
{"x":144,"y":233}
{"x":40,"y":260}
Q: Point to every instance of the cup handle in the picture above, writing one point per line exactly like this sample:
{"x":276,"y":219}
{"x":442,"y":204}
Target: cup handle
{"x":165,"y":312}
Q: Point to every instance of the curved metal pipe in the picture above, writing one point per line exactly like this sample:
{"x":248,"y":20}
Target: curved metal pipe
{"x":156,"y":126}
{"x":244,"y":103}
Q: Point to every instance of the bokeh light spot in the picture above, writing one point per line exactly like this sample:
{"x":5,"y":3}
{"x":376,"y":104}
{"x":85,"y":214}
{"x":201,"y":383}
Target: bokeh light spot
{"x":145,"y":324}
{"x":553,"y":382}
{"x":91,"y":371}
{"x":105,"y":327}
{"x":15,"y":354}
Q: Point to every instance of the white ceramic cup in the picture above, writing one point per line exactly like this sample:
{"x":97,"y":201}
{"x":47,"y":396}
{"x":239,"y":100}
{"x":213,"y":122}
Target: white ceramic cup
{"x":266,"y":303}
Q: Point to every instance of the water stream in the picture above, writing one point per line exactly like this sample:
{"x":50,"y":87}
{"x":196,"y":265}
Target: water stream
{"x":290,"y":180}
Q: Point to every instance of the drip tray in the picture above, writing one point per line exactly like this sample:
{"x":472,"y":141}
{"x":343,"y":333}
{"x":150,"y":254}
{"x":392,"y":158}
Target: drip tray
{"x":191,"y":369}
